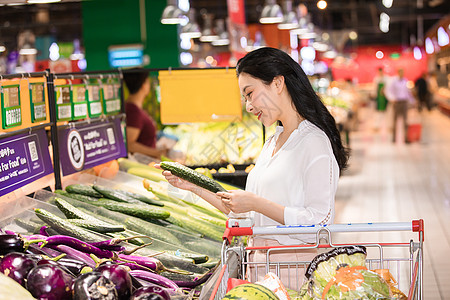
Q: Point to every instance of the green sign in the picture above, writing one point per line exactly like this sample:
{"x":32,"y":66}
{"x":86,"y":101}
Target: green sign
{"x":37,"y":102}
{"x":11,"y":110}
{"x":63,"y":103}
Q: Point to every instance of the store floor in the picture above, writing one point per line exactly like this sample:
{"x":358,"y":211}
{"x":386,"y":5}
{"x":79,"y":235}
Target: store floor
{"x":397,"y":182}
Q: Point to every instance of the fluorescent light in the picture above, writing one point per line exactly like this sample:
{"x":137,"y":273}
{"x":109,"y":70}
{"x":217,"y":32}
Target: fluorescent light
{"x":42,"y":1}
{"x":387,"y":3}
{"x":384,"y":22}
{"x":417,"y":53}
{"x":442,"y":36}
{"x":271,"y":13}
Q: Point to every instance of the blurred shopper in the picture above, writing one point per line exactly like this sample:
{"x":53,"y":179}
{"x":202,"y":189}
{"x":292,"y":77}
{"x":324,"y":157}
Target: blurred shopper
{"x":295,"y":178}
{"x":433,"y":87}
{"x":422,"y":92}
{"x":380,"y":82}
{"x":400,"y":96}
{"x":141,"y":128}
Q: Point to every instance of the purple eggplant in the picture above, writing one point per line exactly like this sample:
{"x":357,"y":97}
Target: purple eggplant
{"x":71,"y":266}
{"x":94,"y":286}
{"x":145,"y":292}
{"x":17,"y":266}
{"x":50,"y":283}
{"x":10,"y":243}
{"x":120,"y":277}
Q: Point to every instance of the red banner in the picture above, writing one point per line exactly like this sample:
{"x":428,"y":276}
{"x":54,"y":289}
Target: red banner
{"x":236,"y":11}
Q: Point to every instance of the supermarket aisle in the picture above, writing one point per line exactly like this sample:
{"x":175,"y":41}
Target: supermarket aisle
{"x":399,"y":182}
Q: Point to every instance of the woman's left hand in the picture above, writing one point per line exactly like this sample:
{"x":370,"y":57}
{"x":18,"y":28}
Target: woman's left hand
{"x":238,"y":201}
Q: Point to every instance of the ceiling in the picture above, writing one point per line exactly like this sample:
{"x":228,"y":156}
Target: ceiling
{"x":63,"y":20}
{"x":359,"y":15}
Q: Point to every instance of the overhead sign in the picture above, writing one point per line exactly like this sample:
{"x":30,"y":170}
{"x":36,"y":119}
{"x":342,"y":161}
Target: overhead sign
{"x":90,"y":144}
{"x":24,"y":158}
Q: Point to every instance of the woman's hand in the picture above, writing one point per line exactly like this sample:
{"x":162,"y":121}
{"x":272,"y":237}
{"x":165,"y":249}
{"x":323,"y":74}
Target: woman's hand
{"x":176,"y":181}
{"x":238,"y":201}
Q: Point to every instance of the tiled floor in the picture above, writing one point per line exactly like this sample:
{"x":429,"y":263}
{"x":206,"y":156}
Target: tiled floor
{"x":397,"y":182}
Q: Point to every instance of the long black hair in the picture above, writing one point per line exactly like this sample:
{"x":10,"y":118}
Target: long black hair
{"x":267,"y":63}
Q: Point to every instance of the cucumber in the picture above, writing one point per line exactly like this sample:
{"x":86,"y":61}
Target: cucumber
{"x":64,"y":227}
{"x":97,"y":227}
{"x":148,"y":173}
{"x":192,"y":176}
{"x":29,"y":225}
{"x":114,"y":194}
{"x":143,"y":211}
{"x":76,"y":196}
{"x":83,"y":189}
{"x":195,"y":225}
{"x":70,"y":211}
{"x":143,"y":198}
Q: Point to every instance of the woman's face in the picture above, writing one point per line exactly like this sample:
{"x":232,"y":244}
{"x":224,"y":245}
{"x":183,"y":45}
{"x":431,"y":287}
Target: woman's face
{"x":260,"y":99}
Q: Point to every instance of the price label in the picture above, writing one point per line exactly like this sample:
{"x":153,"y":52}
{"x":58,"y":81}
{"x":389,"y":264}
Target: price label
{"x":112,"y":106}
{"x":96,"y":108}
{"x":78,"y":93}
{"x":37,"y":102}
{"x":64,"y":112}
{"x":93,"y":93}
{"x":11,"y":111}
{"x":80,"y":110}
{"x":109,"y":92}
{"x":62,"y":94}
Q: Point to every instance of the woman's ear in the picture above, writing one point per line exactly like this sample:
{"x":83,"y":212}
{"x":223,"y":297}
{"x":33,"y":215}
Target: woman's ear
{"x":279,"y":83}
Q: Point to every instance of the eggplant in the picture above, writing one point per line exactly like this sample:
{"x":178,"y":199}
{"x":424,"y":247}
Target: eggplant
{"x":17,"y":266}
{"x":120,"y":277}
{"x":94,"y":286}
{"x":11,"y":243}
{"x":49,"y":282}
{"x":69,"y":265}
{"x":145,"y":292}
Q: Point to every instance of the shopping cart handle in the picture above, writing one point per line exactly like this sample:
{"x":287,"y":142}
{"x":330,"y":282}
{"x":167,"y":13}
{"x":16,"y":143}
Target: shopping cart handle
{"x":237,"y":227}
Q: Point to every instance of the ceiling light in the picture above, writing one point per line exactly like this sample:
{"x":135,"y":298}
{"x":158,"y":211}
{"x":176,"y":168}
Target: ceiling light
{"x":322,"y":4}
{"x":384,"y":22}
{"x":353,"y":35}
{"x":290,"y":20}
{"x":191,"y":29}
{"x":42,"y":1}
{"x":387,"y":3}
{"x":2,"y":48}
{"x":379,"y":54}
{"x":442,"y":37}
{"x":223,"y":39}
{"x":172,"y":14}
{"x":28,"y":51}
{"x":429,"y":48}
{"x":417,"y":53}
{"x":271,"y":13}
{"x":208,"y":33}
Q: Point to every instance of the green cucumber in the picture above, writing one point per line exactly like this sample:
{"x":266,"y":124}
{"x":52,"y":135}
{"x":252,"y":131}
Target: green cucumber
{"x":70,"y":211}
{"x":198,"y":259}
{"x":29,"y":225}
{"x":195,"y":225}
{"x":143,"y":198}
{"x":83,"y":189}
{"x":63,"y":226}
{"x":143,"y":211}
{"x":97,"y":227}
{"x":114,"y":194}
{"x":76,"y":196}
{"x":192,"y":176}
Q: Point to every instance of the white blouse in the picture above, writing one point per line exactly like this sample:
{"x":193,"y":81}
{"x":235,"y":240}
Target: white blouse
{"x":302,"y":176}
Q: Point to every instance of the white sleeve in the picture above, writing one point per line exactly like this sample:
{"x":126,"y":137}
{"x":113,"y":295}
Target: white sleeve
{"x":319,"y":182}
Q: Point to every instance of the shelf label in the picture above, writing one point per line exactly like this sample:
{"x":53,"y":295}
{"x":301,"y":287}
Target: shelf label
{"x":89,"y":145}
{"x":111,"y":98}
{"x":24,"y":158}
{"x":95,"y":108}
{"x":64,"y":107}
{"x":11,"y":110}
{"x":37,"y":102}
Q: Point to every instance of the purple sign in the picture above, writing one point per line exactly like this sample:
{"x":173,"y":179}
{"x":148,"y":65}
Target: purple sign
{"x":89,"y":145}
{"x":24,"y":158}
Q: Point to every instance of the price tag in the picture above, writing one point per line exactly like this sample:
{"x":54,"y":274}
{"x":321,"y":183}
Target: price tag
{"x":63,"y":103}
{"x":37,"y":102}
{"x":11,"y":109}
{"x":95,"y":105}
{"x":79,"y":101}
{"x":24,"y":158}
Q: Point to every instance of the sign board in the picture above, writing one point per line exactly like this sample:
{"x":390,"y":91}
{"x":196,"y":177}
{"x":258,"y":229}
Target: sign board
{"x":94,"y":100}
{"x":206,"y":95}
{"x":63,"y":103}
{"x":37,"y":102}
{"x":24,"y":158}
{"x":87,"y":145}
{"x":10,"y":105}
{"x":111,"y":98}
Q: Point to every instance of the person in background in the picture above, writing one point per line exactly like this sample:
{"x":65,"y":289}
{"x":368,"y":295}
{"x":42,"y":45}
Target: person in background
{"x":141,"y":129}
{"x":380,"y":82}
{"x":400,"y":96}
{"x":295,"y":177}
{"x":422,"y":92}
{"x":433,"y":87}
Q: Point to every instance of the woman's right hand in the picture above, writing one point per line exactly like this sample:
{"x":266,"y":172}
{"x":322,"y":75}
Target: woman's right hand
{"x":176,"y":181}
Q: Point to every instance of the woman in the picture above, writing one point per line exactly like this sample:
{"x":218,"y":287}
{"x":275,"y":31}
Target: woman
{"x":295,"y":178}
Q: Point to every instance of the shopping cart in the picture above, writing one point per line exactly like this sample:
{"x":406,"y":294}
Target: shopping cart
{"x":403,"y":261}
